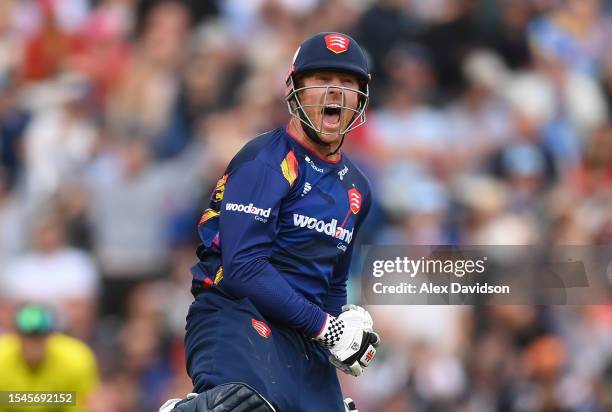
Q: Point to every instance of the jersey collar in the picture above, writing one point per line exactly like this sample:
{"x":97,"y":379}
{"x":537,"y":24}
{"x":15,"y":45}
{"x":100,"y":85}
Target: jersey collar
{"x":296,"y":143}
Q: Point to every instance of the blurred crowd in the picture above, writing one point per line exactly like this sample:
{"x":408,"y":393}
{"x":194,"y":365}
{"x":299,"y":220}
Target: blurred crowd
{"x":489,"y":124}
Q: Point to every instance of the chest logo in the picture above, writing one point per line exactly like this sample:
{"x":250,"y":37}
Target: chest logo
{"x":342,"y":172}
{"x":354,"y":200}
{"x":329,"y":228}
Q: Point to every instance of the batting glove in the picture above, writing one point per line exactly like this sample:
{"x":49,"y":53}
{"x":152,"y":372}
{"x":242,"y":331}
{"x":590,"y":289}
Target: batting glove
{"x":350,"y":339}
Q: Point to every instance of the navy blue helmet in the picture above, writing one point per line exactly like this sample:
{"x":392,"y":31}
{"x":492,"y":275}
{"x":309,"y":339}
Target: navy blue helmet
{"x":331,"y":51}
{"x":328,"y":52}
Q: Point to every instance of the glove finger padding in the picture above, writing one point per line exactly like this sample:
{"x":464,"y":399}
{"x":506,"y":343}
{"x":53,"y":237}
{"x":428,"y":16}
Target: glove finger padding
{"x":353,"y":314}
{"x":362,"y":358}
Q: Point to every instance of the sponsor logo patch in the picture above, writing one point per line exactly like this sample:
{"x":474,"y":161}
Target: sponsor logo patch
{"x":307,"y":188}
{"x":321,"y":226}
{"x":261,"y":328}
{"x":313,"y":165}
{"x":367,"y":358}
{"x":260,"y":214}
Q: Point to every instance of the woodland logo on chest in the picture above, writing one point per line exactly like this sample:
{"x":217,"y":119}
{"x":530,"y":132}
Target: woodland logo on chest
{"x":329,"y":228}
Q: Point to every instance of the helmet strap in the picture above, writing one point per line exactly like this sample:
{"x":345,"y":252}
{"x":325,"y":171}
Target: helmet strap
{"x":339,"y":146}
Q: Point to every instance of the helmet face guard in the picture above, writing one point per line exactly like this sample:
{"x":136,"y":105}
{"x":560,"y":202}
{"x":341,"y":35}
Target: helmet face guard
{"x":297,"y":109}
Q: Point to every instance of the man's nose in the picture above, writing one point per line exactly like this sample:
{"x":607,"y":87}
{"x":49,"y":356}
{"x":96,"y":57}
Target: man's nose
{"x":335,"y":87}
{"x":337,"y":84}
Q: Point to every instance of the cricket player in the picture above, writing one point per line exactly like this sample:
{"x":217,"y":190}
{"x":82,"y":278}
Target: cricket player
{"x":270,"y":324}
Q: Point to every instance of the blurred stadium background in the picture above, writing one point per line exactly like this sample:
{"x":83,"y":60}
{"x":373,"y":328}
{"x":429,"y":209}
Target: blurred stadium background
{"x":489,"y":124}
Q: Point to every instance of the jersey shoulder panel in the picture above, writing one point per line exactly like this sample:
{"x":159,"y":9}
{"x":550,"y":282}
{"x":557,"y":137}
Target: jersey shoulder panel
{"x":269,"y":149}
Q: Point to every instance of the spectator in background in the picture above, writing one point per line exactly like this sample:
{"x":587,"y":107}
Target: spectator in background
{"x":103,"y":52}
{"x":128,"y":220}
{"x":408,"y":136}
{"x":485,"y":217}
{"x":38,"y":358}
{"x":141,"y":103}
{"x":10,"y":47}
{"x":11,"y":223}
{"x":503,"y":28}
{"x":12,"y":118}
{"x":132,"y":203}
{"x":60,"y":138}
{"x":208,"y":84}
{"x":13,"y":121}
{"x":418,"y":212}
{"x":45,"y":54}
{"x":72,"y":203}
{"x":380,"y":29}
{"x":480,"y":121}
{"x":449,"y":39}
{"x":578,"y":105}
{"x":577,"y":33}
{"x":55,"y":274}
{"x":606,"y":80}
{"x":532,"y":104}
{"x":595,"y":174}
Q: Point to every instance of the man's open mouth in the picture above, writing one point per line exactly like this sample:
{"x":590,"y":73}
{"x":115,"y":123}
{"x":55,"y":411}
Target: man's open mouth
{"x":331,"y":115}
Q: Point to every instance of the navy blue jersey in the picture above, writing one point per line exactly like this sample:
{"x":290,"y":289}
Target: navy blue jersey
{"x":280,"y":230}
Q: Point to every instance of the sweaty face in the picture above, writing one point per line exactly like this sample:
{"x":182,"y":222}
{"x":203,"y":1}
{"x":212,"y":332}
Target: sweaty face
{"x":329,"y":103}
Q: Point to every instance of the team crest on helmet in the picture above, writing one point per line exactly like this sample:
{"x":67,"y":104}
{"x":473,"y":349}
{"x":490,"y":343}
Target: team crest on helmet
{"x":261,"y":328}
{"x":354,"y":200}
{"x":337,"y":43}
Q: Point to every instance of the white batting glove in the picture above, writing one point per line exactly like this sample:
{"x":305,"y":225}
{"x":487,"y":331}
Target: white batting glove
{"x":357,"y":316}
{"x":350,"y":339}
